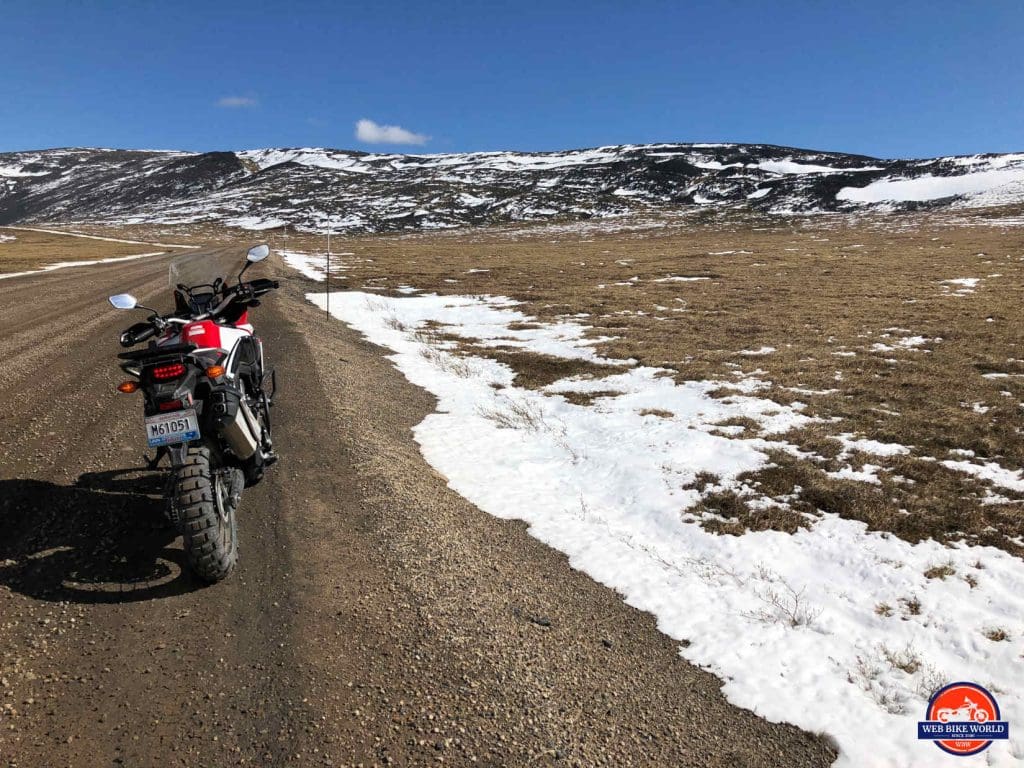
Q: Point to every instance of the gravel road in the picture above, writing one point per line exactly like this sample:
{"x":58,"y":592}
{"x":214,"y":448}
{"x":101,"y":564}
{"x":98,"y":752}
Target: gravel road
{"x":375,"y":618}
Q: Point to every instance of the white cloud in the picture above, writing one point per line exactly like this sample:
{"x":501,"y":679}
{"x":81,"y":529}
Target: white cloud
{"x":235,"y":102}
{"x":372,"y":133}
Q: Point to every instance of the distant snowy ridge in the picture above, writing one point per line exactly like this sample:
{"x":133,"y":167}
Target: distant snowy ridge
{"x":376,"y":192}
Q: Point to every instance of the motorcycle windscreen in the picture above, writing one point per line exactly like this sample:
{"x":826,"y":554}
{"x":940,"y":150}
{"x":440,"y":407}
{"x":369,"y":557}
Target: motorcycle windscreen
{"x":192,"y":269}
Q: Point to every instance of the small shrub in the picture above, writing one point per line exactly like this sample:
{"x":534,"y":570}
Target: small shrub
{"x":515,"y":414}
{"x":906,"y":660}
{"x":447,"y":362}
{"x":784,"y":603}
{"x":940,"y":571}
{"x":929,"y":681}
{"x":911,"y":605}
{"x":659,"y":412}
{"x":391,"y":321}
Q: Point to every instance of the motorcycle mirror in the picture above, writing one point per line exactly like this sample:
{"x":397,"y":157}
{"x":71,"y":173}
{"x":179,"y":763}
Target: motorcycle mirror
{"x":257,"y":253}
{"x":124,"y":301}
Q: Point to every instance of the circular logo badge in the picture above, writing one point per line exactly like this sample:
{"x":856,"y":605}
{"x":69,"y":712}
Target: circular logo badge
{"x":958,"y":715}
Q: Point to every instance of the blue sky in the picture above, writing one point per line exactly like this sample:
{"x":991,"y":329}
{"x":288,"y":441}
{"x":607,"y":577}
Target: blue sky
{"x":890,"y":79}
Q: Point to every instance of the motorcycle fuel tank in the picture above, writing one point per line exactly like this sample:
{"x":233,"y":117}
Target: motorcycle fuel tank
{"x":206,"y":334}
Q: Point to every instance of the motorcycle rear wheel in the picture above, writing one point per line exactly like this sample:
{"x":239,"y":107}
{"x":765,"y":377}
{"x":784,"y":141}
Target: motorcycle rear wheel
{"x":205,"y":501}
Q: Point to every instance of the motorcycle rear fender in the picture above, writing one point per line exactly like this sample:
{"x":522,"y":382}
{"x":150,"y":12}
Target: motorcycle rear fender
{"x":179,"y":389}
{"x":178,"y":452}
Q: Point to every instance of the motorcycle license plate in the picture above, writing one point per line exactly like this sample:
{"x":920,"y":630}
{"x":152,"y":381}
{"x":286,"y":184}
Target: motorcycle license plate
{"x":171,"y":428}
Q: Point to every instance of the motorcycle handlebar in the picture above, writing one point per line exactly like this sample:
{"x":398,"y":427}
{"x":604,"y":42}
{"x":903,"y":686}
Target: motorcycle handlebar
{"x":137,"y":333}
{"x":262,"y":285}
{"x":246,"y":292}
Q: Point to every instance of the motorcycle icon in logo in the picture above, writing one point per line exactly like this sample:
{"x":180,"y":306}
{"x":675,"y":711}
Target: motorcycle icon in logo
{"x":962,"y":719}
{"x":966,"y":713}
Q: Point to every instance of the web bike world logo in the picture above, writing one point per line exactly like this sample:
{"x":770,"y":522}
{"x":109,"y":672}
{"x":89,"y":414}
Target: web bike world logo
{"x":962,"y":719}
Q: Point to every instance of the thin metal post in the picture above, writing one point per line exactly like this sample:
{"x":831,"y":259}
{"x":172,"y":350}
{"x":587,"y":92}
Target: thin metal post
{"x":330,"y":225}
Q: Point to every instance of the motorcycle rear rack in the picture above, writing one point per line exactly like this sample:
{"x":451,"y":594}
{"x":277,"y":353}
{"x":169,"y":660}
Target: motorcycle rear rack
{"x":154,"y":351}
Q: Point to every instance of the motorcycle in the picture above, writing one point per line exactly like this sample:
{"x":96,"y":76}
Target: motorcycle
{"x":206,"y":402}
{"x":968,"y":712}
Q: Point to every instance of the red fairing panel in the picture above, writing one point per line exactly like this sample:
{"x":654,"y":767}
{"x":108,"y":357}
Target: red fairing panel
{"x":205,"y":333}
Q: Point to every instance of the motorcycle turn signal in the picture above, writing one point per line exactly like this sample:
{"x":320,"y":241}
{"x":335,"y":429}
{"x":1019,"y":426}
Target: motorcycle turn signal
{"x":215,"y":371}
{"x":127,"y":387}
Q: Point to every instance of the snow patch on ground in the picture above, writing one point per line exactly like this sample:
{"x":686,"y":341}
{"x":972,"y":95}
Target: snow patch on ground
{"x":810,"y":628}
{"x":909,"y":342}
{"x":962,"y":286}
{"x":1005,"y":478}
{"x":15,"y":172}
{"x":314,"y":265}
{"x":791,"y":166}
{"x":66,"y":264}
{"x":868,"y":473}
{"x":931,"y":187}
{"x":874,"y":447}
{"x":254,"y":223}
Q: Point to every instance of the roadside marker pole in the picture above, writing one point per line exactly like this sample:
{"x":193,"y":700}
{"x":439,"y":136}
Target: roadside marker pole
{"x":330,"y":225}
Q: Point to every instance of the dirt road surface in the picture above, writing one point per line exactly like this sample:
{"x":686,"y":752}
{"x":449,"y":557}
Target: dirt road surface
{"x":375,"y":618}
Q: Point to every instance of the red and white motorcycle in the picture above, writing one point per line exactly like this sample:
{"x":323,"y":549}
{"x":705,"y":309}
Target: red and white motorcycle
{"x":207,"y":398}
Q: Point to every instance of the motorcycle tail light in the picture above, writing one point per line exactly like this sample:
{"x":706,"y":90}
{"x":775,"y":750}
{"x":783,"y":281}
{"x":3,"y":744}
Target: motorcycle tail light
{"x":170,"y":405}
{"x":167,"y":372}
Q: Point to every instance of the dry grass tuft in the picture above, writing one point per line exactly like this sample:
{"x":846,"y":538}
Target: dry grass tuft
{"x":588,"y":398}
{"x":911,"y":606}
{"x":515,"y":414}
{"x":536,"y":371}
{"x":447,"y":362}
{"x":784,"y":603}
{"x":661,"y":413}
{"x":726,"y":512}
{"x":943,"y":571}
{"x":906,"y":659}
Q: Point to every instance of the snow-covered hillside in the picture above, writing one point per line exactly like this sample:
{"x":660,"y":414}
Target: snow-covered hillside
{"x":267,"y":188}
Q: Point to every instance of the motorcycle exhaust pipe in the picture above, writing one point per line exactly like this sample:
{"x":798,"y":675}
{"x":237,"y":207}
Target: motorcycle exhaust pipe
{"x":241,"y":432}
